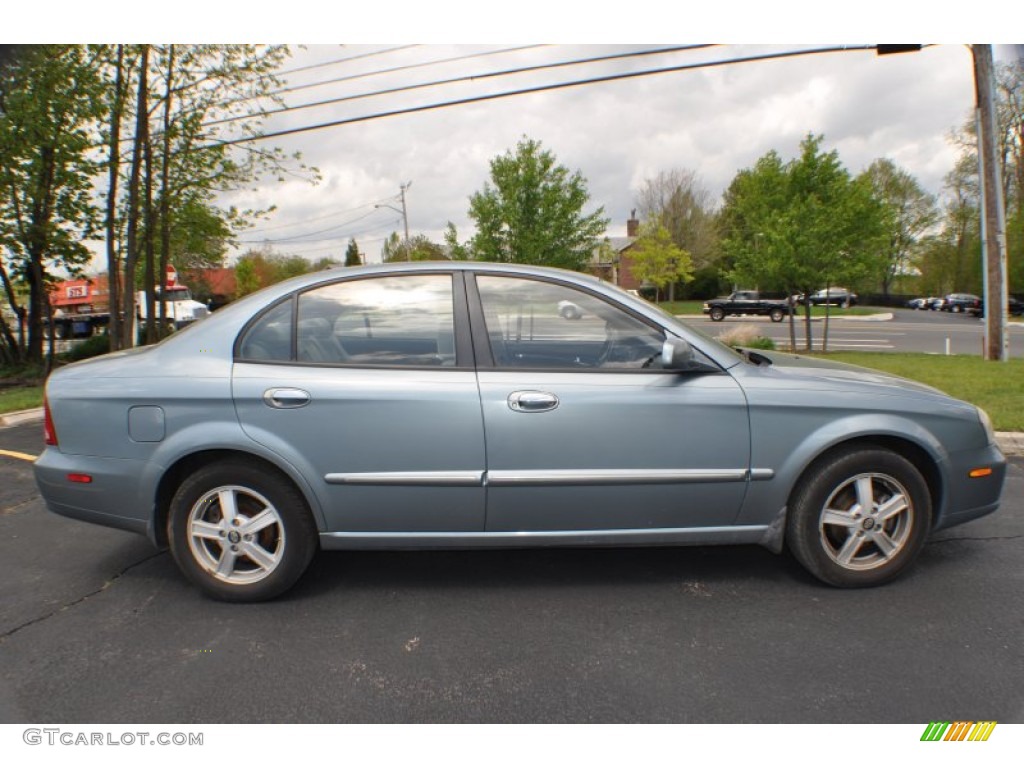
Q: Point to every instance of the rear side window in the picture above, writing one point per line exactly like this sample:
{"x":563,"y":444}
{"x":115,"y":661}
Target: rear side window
{"x":270,"y":337}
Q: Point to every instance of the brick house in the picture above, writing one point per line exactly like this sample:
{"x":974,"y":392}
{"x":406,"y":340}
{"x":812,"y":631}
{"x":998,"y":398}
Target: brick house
{"x":611,"y":260}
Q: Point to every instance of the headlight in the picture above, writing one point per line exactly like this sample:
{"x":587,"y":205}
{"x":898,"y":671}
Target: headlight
{"x":986,"y":422}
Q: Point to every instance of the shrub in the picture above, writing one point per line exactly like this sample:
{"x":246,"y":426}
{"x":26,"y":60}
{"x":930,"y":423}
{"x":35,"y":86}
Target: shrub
{"x":91,"y":347}
{"x":746,"y":335}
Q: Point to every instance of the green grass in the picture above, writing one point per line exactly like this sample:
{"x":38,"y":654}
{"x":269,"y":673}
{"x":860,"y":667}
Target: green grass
{"x":996,"y":387}
{"x":20,"y":397}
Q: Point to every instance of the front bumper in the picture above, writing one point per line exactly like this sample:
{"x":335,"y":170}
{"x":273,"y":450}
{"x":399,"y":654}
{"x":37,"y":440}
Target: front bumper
{"x":967,"y":498}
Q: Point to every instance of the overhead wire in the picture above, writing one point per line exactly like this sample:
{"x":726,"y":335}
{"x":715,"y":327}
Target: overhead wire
{"x":399,"y":68}
{"x":453,"y":80}
{"x":533,"y":90}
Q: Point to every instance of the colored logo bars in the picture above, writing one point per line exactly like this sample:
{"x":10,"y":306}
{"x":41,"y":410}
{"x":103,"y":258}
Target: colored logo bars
{"x":959,"y":731}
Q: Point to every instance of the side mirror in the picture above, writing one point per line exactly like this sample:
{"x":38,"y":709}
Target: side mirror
{"x":676,"y":354}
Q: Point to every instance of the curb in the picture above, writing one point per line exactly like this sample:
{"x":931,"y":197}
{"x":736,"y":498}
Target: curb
{"x":1011,"y":443}
{"x":20,"y":417}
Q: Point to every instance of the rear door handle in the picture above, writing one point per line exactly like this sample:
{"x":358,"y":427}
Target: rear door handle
{"x":286,"y":398}
{"x":529,"y":401}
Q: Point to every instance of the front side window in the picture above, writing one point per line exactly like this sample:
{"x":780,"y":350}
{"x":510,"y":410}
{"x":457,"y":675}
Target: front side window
{"x":535,"y":324}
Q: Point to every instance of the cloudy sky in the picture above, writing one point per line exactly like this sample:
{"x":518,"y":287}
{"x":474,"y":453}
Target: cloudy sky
{"x":713,"y":120}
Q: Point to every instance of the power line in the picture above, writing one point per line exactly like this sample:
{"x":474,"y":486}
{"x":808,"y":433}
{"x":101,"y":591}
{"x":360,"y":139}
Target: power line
{"x":320,"y":218}
{"x":536,"y":89}
{"x":452,"y":80}
{"x":401,"y":68}
{"x":367,"y":55}
{"x":345,"y":78}
{"x":301,"y":237}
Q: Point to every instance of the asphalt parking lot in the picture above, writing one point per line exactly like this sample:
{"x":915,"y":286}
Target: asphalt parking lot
{"x":96,"y":626}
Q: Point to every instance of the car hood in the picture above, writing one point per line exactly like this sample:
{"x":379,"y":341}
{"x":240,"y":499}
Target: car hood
{"x":829,"y":374}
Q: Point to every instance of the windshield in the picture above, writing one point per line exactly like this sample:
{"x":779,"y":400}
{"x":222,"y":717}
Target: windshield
{"x":177,"y":294}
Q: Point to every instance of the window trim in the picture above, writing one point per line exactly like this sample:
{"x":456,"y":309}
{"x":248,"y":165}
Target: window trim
{"x":464,"y":351}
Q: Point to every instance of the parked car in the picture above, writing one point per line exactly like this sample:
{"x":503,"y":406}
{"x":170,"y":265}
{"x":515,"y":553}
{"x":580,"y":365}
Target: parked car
{"x":447,"y":405}
{"x":839,"y":296}
{"x":746,"y":303}
{"x":937,"y":303}
{"x":921,"y":303}
{"x":958,"y":303}
{"x":1014,"y":307}
{"x":569,"y":310}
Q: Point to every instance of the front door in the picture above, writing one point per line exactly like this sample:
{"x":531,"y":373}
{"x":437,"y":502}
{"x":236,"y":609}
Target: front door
{"x":584,"y":431}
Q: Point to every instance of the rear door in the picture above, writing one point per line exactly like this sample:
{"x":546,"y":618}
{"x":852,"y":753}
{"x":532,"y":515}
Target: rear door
{"x":363,"y":385}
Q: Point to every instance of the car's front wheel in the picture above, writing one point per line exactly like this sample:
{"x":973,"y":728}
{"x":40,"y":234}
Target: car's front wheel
{"x":776,"y":315}
{"x":860,"y":517}
{"x":717,"y":314}
{"x":240,"y":532}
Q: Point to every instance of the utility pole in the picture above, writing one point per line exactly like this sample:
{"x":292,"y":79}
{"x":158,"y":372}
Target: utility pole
{"x":993,"y":219}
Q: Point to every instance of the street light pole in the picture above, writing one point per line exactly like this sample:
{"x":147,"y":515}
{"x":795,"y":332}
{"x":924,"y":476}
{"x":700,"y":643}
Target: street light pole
{"x":405,"y":215}
{"x":405,"y":219}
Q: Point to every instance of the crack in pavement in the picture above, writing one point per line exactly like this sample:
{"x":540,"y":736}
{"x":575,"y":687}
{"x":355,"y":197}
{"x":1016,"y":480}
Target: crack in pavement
{"x":4,"y":636}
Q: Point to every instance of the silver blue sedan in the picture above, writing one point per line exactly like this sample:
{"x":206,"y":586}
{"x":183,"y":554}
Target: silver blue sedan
{"x":434,"y":405}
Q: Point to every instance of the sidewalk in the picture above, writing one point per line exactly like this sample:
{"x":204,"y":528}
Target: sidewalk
{"x":1010,"y":443}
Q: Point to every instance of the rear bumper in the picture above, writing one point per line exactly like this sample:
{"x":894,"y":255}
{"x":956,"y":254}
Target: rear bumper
{"x":110,"y":499}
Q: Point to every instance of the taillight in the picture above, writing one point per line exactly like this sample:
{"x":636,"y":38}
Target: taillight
{"x":49,"y":433}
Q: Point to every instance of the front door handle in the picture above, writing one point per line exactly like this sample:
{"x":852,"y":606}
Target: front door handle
{"x":530,"y":401}
{"x":285,"y":397}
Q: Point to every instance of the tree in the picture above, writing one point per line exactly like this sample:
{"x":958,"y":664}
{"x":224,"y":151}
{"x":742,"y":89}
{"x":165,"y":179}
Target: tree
{"x":531,"y":212}
{"x":801,"y":226}
{"x":186,"y":97}
{"x":258,"y":268}
{"x":352,"y":257}
{"x":908,"y":213}
{"x":657,"y":260}
{"x":678,"y":200}
{"x":419,"y":248}
{"x":49,"y":107}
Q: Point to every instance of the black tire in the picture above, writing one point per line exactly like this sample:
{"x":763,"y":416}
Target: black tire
{"x":956,"y":309}
{"x":833,"y":539}
{"x":777,"y":315}
{"x":717,"y":314}
{"x":269,"y":553}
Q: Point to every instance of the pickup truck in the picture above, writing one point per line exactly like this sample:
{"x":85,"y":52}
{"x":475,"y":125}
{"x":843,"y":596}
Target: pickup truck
{"x":746,"y":303}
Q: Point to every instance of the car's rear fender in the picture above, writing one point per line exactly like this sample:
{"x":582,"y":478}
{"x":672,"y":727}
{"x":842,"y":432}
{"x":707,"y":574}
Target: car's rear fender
{"x":178,"y":456}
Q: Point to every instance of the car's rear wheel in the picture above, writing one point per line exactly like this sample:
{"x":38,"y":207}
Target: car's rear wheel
{"x":776,"y":315}
{"x":240,"y":532}
{"x":859,"y":518}
{"x":717,"y":314}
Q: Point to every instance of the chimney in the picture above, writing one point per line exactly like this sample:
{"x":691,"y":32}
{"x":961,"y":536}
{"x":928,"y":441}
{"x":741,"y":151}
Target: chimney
{"x":633,"y":225}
